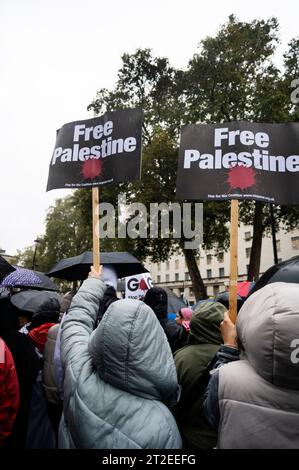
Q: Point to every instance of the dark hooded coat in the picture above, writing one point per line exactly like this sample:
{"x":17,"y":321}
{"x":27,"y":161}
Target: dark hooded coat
{"x":193,"y":363}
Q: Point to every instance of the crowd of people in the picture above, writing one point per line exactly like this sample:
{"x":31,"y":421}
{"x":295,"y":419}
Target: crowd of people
{"x":97,"y":372}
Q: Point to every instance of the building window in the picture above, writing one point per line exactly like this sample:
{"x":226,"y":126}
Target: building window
{"x":176,"y":276}
{"x":176,"y":264}
{"x":220,"y":257}
{"x":209,"y":273}
{"x":248,"y":251}
{"x":295,"y":243}
{"x":215,"y":290}
{"x":187,"y":276}
{"x":167,"y":265}
{"x":159,"y":266}
{"x":167,"y":277}
{"x":221,"y":272}
{"x":247,"y":236}
{"x":209,"y":259}
{"x":278,"y":245}
{"x":158,"y":279}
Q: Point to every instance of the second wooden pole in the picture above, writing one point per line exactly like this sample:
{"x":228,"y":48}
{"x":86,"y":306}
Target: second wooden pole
{"x":233,"y":282}
{"x":95,"y":228}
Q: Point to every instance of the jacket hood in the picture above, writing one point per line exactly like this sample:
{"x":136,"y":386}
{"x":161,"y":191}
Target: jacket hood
{"x":131,"y":352}
{"x":205,"y":323}
{"x":268,"y":327}
{"x":48,"y":312}
{"x":156,"y":298}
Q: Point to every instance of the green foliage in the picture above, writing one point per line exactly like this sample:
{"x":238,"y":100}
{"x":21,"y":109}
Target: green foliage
{"x":222,"y":78}
{"x":68,"y":232}
{"x":149,"y":83}
{"x":68,"y":228}
{"x":25,"y":257}
{"x":291,"y":75}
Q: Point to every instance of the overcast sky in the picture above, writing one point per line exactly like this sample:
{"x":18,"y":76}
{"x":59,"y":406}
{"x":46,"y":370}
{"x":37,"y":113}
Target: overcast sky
{"x":55,"y":55}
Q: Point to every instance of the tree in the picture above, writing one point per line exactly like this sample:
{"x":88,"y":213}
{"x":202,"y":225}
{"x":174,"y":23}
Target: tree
{"x":149,"y":83}
{"x":222,"y":78}
{"x":25,"y":257}
{"x":291,"y":78}
{"x":285,"y":217}
{"x":68,"y":232}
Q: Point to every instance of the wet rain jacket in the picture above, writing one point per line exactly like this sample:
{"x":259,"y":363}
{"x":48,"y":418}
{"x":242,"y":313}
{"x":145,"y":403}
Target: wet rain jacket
{"x":118,"y":378}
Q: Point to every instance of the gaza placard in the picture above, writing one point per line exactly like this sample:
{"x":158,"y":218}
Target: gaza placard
{"x":138,"y":285}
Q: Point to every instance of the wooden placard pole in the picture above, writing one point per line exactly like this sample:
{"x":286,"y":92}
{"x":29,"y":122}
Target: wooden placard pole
{"x":95,"y":228}
{"x":233,"y":260}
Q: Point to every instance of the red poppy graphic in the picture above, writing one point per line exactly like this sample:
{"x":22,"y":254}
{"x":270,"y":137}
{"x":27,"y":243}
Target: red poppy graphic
{"x":241,"y":177}
{"x":92,"y":168}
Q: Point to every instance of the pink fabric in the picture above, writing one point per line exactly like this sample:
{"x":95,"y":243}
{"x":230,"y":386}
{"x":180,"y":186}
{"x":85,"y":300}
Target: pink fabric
{"x":187,"y":315}
{"x":186,"y":325}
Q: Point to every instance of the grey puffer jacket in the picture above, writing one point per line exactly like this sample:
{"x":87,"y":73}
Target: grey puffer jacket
{"x":49,"y":380}
{"x":259,"y":396}
{"x":118,"y":378}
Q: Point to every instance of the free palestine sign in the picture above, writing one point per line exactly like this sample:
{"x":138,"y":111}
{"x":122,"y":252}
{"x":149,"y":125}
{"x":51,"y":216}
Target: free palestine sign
{"x":239,"y":160}
{"x":97,"y":151}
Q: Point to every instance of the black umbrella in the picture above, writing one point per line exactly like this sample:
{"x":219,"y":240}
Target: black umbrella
{"x":5,"y":268}
{"x":286,"y":271}
{"x":223,"y":298}
{"x":31,"y":300}
{"x":27,"y":278}
{"x":78,"y":267}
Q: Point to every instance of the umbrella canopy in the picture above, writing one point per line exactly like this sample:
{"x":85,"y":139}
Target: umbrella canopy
{"x":5,"y":268}
{"x":22,"y":277}
{"x":243,"y":288}
{"x":78,"y":267}
{"x":286,"y":271}
{"x":31,"y":300}
{"x":223,"y":297}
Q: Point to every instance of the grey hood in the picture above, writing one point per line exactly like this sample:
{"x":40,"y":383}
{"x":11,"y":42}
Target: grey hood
{"x":131,"y":352}
{"x":268,"y":327}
